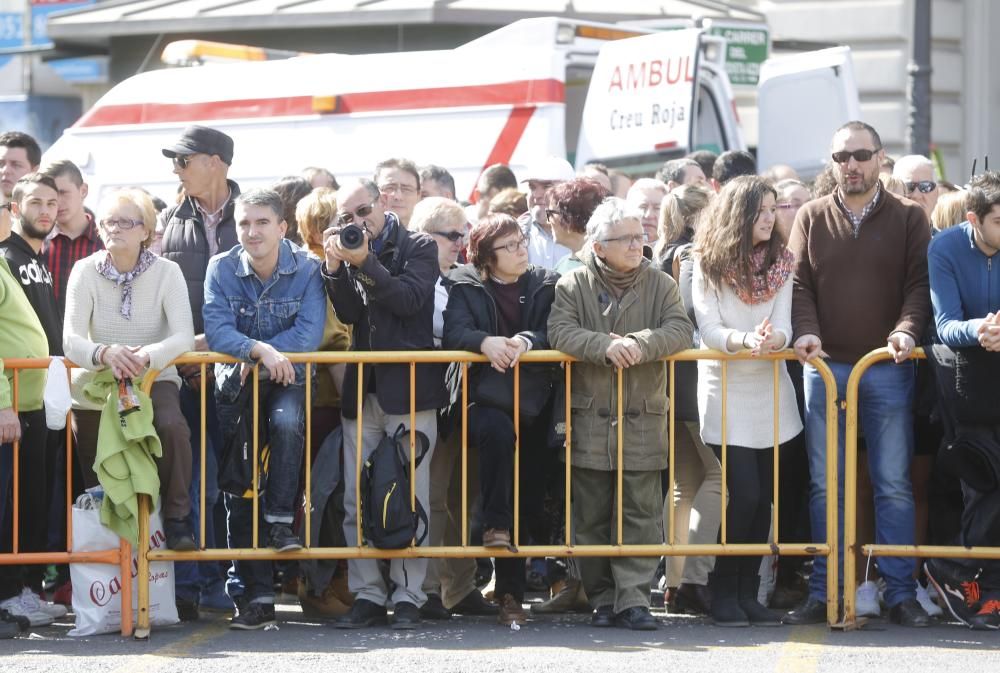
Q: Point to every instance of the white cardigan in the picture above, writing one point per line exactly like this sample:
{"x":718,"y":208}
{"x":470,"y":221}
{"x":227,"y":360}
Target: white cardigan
{"x":750,"y":384}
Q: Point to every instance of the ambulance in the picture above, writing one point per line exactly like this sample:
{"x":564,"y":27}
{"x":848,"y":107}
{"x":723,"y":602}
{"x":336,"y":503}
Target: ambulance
{"x":629,"y":98}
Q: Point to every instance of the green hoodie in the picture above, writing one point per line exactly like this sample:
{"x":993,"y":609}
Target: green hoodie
{"x":126,"y":448}
{"x":21,"y":336}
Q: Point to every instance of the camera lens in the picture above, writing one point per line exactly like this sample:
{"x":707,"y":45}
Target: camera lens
{"x":351,"y":237}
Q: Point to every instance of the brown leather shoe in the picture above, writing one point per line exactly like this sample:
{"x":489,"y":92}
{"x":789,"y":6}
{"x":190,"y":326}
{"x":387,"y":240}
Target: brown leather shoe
{"x":511,"y":611}
{"x":567,"y":596}
{"x":325,"y":605}
{"x":497,"y":538}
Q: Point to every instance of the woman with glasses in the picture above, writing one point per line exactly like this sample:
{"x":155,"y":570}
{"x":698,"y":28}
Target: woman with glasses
{"x":127,"y":310}
{"x":792,"y":195}
{"x":742,"y":295}
{"x":499,"y":306}
{"x":618,"y":315}
{"x":570,"y":205}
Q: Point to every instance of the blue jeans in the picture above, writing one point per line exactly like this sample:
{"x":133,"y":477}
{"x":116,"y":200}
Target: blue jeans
{"x":885,"y":412}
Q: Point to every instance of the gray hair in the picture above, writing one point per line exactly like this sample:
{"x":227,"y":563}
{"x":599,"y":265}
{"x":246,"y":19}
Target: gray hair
{"x":906,"y":165}
{"x":674,"y":170}
{"x":611,"y":212}
{"x":348,"y":186}
{"x":646,"y":183}
{"x":263,"y":197}
{"x":435,"y":212}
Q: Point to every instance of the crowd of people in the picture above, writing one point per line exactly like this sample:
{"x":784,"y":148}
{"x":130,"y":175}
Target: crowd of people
{"x":618,"y":273}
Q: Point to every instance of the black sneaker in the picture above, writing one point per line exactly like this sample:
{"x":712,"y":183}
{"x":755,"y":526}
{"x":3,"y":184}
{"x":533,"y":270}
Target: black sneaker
{"x":363,"y":613}
{"x":405,"y":616}
{"x":187,"y":610}
{"x":603,"y":616}
{"x":281,"y":538}
{"x":957,"y":585}
{"x":475,"y":604}
{"x":179,"y":535}
{"x":254,"y":616}
{"x":433,"y":608}
{"x":813,"y":611}
{"x":909,"y":613}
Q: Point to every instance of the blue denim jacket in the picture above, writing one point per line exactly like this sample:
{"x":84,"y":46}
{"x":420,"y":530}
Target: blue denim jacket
{"x":287,"y":311}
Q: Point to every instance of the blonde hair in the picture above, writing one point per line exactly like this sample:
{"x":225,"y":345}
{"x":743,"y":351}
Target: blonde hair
{"x":950,"y":210}
{"x":892,"y":184}
{"x":435,"y":212}
{"x":511,"y":202}
{"x":315,"y":212}
{"x":139,"y":199}
{"x":679,"y":211}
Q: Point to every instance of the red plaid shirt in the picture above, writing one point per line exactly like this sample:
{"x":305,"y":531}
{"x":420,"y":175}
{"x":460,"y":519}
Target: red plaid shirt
{"x":62,"y":252}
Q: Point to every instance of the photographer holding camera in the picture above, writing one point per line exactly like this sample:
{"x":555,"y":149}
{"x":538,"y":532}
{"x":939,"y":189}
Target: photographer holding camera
{"x":380,"y":278}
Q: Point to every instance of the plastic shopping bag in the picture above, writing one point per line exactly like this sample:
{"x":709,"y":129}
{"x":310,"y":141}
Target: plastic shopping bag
{"x":57,"y":396}
{"x":97,"y":586}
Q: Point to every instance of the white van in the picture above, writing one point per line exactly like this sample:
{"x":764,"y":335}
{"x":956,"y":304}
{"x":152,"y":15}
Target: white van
{"x":628,"y":98}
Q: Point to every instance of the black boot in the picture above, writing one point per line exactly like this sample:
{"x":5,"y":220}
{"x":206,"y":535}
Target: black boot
{"x":747,"y":596}
{"x":726,"y":609}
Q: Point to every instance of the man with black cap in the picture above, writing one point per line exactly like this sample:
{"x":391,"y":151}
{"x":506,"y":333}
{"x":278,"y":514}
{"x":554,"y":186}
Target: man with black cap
{"x":194,"y":230}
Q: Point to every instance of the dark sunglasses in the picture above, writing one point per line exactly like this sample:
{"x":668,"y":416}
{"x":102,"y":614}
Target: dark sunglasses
{"x":859,"y":155}
{"x":362,"y":211}
{"x":181,"y":160}
{"x":453,"y":236}
{"x":925,"y":186}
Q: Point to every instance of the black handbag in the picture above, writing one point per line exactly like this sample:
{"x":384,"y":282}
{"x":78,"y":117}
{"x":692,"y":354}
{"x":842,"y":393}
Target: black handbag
{"x":976,"y":374}
{"x":236,"y":461}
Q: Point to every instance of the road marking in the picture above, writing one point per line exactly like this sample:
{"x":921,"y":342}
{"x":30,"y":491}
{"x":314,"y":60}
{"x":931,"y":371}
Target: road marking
{"x":164,"y":656}
{"x":800,"y":654}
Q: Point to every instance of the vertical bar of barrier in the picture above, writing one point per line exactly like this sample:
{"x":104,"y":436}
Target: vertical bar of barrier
{"x":308,"y":456}
{"x":413,"y":442}
{"x":256,"y":452}
{"x":777,"y":451}
{"x":69,"y":473}
{"x":567,"y":448}
{"x":832,"y":565}
{"x":465,"y":454}
{"x":621,"y":452}
{"x":850,"y":493}
{"x":517,"y":454}
{"x":203,"y":422}
{"x":358,"y":450}
{"x":724,"y":491}
{"x":671,"y":473}
{"x":142,"y":570}
{"x":125,"y":573}
{"x":16,"y":509}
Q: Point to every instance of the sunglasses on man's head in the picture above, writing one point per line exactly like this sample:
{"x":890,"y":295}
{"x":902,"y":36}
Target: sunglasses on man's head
{"x":361,"y":211}
{"x":924,"y":186}
{"x":859,"y":155}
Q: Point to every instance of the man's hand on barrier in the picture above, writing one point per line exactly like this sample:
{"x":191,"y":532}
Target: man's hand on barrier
{"x":123,"y":361}
{"x":501,"y":351}
{"x":808,"y":347}
{"x":989,"y":332}
{"x":900,"y":346}
{"x":278,"y":366}
{"x":10,"y":426}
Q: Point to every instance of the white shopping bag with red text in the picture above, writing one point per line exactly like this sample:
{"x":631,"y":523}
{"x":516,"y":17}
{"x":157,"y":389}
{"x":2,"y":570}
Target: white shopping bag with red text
{"x":97,"y":586}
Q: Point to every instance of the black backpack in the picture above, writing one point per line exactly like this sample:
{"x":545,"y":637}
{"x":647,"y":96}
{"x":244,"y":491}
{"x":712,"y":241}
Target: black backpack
{"x":387,"y":520}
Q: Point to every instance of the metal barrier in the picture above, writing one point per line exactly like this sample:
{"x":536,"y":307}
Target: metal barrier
{"x":413,"y":358}
{"x":850,"y":498}
{"x":122,"y":556}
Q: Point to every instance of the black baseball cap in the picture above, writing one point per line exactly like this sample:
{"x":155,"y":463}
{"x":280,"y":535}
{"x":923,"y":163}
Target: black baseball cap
{"x":202,"y":140}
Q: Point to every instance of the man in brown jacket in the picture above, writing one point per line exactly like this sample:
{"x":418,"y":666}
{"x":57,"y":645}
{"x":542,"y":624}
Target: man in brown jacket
{"x":861,"y":284}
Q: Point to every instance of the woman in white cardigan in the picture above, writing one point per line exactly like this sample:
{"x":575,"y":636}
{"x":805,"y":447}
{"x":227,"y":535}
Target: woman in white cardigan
{"x":742,"y":295}
{"x":128,"y":310}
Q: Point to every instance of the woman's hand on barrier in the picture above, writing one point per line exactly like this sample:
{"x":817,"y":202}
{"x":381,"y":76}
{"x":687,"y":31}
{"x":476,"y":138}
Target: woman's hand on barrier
{"x":808,"y":347}
{"x":10,"y":426}
{"x":623,"y":352}
{"x":765,"y":339}
{"x":123,"y":361}
{"x":501,"y":351}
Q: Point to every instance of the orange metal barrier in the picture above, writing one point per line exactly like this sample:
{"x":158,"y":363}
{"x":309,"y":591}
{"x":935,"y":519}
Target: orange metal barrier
{"x":122,"y":556}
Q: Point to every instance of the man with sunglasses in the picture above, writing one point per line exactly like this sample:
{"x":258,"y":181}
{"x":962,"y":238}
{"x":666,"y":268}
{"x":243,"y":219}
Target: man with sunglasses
{"x":917,"y":173}
{"x":543,"y":250}
{"x":384,"y":289}
{"x":194,"y":230}
{"x":861,"y":284}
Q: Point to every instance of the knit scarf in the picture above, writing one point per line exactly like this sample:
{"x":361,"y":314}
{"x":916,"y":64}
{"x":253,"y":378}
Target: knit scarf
{"x":619,"y":281}
{"x":766,"y":282}
{"x":124,"y":280}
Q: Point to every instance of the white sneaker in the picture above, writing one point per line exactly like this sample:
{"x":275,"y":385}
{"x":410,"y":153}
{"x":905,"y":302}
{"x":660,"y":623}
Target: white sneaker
{"x":18,"y":608}
{"x":51,"y":609}
{"x":866,"y":600}
{"x":929,"y":606}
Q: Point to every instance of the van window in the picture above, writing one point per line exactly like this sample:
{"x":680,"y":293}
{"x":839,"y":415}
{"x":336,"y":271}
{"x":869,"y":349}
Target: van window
{"x":577,"y":85}
{"x":709,"y":134}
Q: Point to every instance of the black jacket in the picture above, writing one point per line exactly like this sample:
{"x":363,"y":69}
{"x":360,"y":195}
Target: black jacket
{"x":36,"y":281}
{"x":184,"y":242}
{"x":471,"y":316}
{"x":389,"y":302}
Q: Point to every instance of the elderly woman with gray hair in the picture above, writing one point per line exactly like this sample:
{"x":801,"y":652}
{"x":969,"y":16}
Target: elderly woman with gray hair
{"x":618,"y":312}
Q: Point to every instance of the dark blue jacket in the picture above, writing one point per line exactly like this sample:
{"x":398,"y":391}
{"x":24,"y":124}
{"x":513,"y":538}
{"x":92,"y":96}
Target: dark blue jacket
{"x":964,"y":285}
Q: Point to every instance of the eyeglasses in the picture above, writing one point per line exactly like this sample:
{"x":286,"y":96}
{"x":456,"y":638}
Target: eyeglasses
{"x":393,"y":187}
{"x":362,"y":211}
{"x":453,"y":236}
{"x":633,"y":240}
{"x":182,"y":160}
{"x":512,"y":246}
{"x":925,"y":186}
{"x":120,"y":223}
{"x":859,"y":155}
{"x":788,"y":206}
{"x":549,"y":213}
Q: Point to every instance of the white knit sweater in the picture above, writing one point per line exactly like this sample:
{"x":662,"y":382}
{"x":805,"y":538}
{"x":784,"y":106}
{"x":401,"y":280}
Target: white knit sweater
{"x":161,"y":319}
{"x":750,"y":384}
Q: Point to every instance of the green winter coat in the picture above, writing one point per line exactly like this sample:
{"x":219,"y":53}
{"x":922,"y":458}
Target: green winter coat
{"x":582,"y":318}
{"x":126,"y":449}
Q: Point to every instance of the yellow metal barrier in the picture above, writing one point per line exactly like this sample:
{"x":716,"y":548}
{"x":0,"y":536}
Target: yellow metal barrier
{"x":850,"y":498}
{"x":122,"y":556}
{"x":362,"y":359}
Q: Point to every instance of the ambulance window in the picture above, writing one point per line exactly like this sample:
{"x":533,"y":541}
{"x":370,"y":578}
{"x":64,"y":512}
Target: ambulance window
{"x":709,"y":133}
{"x":577,"y":85}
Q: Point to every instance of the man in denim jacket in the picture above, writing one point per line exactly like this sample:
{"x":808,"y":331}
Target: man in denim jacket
{"x":264,"y":298}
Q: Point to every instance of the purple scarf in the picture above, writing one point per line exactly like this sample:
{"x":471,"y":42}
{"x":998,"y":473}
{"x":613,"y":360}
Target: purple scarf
{"x":107,"y":269}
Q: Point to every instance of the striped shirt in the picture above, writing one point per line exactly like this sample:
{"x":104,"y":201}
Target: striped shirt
{"x":62,"y":252}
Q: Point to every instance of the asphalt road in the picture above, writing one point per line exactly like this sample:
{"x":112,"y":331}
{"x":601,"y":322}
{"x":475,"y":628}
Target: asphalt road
{"x":565,"y":643}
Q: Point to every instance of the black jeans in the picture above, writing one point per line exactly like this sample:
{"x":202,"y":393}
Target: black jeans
{"x":750,"y":482}
{"x":492,"y":430}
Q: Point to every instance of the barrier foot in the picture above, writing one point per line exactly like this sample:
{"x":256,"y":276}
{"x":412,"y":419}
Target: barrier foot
{"x":855,"y":625}
{"x":141,"y":634}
